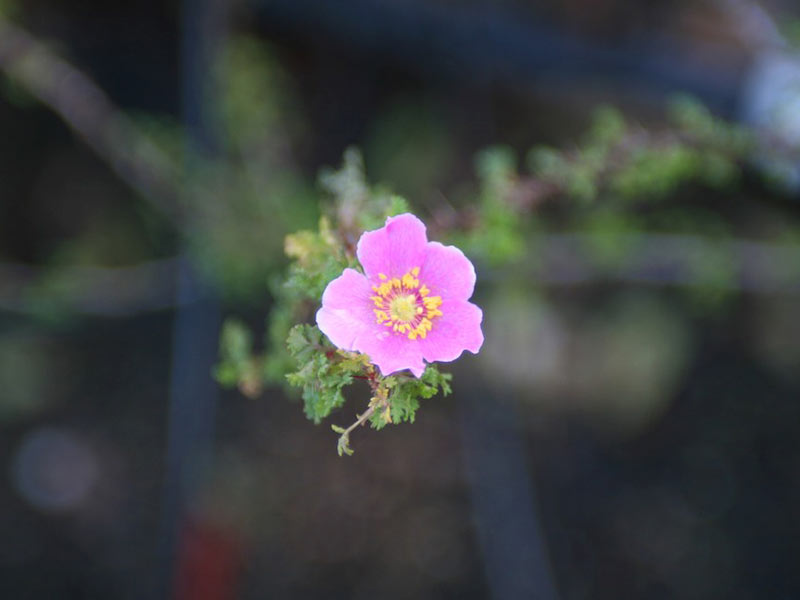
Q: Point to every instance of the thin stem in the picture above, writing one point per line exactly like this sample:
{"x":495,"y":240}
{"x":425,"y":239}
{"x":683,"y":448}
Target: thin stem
{"x":379,"y":402}
{"x":364,"y":416}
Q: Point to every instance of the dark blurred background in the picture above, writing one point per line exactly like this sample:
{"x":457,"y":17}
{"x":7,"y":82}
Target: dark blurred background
{"x":613,"y":440}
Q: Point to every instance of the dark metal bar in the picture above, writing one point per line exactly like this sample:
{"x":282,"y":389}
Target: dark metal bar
{"x":192,"y":394}
{"x":503,"y":495}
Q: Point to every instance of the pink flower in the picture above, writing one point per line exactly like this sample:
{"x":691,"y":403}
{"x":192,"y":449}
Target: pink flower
{"x":409,"y":306}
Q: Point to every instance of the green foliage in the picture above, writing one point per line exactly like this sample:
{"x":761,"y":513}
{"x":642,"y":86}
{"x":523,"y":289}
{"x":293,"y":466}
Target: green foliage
{"x":317,"y":258}
{"x":619,"y":159}
{"x":236,"y":347}
{"x":611,"y":237}
{"x":608,"y":127}
{"x":395,"y":399}
{"x":579,"y":173}
{"x":237,"y":365}
{"x":499,"y":238}
{"x":255,"y":99}
{"x":278,"y":361}
{"x":405,"y":393}
{"x":242,"y":201}
{"x":714,"y":273}
{"x":614,"y":182}
{"x":695,"y":121}
{"x":238,"y":228}
{"x":297,"y":352}
{"x":236,"y":209}
{"x":323,"y":371}
{"x":702,"y":149}
{"x":358,"y":206}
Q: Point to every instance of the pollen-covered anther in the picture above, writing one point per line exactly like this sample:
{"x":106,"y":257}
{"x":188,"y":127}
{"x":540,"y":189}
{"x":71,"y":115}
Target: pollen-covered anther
{"x":405,"y":306}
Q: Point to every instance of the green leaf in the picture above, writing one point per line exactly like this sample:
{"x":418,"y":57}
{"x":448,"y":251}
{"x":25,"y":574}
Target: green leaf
{"x":321,"y":371}
{"x":237,"y":362}
{"x":304,"y":340}
{"x":406,"y":394}
{"x":236,"y":341}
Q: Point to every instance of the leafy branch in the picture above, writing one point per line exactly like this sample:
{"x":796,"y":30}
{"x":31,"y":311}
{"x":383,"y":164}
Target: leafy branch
{"x":394,"y":399}
{"x":614,"y":183}
{"x":296,"y":352}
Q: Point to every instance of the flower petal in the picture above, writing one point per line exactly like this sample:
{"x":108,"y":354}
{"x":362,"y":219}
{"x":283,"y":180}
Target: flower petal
{"x":346,"y":311}
{"x":391,"y":352}
{"x":458,"y":329}
{"x":347,"y":319}
{"x":447,"y":272}
{"x":395,"y":248}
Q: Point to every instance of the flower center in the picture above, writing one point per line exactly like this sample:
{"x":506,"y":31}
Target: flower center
{"x":404,"y":305}
{"x":403,"y":308}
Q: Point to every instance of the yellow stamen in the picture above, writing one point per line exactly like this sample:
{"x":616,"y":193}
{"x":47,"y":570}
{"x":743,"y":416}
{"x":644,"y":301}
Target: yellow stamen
{"x":409,"y":282}
{"x":405,"y":306}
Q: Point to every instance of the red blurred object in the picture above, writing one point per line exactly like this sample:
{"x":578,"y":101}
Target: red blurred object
{"x":208,"y":563}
